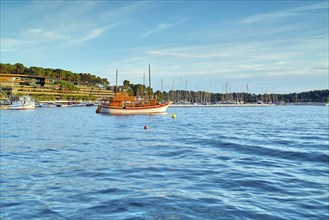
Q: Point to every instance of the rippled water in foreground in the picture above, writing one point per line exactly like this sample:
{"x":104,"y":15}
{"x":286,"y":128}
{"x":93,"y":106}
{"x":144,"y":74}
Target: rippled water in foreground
{"x":208,"y":163}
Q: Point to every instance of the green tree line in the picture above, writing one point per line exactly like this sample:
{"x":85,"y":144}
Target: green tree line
{"x":76,"y":78}
{"x":138,"y":90}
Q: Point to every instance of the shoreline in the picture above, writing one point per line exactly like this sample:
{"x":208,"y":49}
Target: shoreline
{"x":246,"y":105}
{"x":221,"y":105}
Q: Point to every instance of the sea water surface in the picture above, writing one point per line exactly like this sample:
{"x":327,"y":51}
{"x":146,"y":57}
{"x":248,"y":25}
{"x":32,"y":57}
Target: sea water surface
{"x":208,"y":163}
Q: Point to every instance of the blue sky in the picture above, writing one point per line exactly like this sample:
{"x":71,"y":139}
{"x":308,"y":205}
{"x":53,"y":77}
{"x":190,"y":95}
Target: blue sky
{"x":273,"y":46}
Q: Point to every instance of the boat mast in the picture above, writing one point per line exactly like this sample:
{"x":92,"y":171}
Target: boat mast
{"x":116,"y":81}
{"x":150,"y":80}
{"x":144,"y":87}
{"x":161,"y":84}
{"x":161,"y":97}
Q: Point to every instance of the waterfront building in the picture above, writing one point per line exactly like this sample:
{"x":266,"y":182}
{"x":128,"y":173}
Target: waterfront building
{"x":21,"y":84}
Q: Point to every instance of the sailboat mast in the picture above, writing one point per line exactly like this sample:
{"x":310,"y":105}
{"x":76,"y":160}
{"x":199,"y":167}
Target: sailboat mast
{"x":144,"y":87}
{"x":116,"y":81}
{"x":161,"y":84}
{"x":150,"y":79}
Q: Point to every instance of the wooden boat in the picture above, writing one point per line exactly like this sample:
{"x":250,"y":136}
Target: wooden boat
{"x":123,"y":104}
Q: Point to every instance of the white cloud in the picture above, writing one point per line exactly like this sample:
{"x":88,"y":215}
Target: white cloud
{"x":40,"y":34}
{"x":209,"y":51}
{"x":95,"y":33}
{"x":7,"y":43}
{"x":129,"y":9}
{"x":322,"y":5}
{"x":281,"y":14}
{"x":250,"y":66}
{"x":11,"y":45}
{"x":296,"y":71}
{"x":267,"y":17}
{"x":37,"y":35}
{"x":163,"y":27}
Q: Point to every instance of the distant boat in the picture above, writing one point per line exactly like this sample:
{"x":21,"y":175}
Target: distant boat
{"x":123,"y":104}
{"x":75,"y":105}
{"x":43,"y":105}
{"x":20,"y":103}
{"x":62,"y":105}
{"x":24,"y":103}
{"x":46,"y":105}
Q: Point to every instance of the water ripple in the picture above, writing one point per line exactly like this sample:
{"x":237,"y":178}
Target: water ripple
{"x":208,"y":163}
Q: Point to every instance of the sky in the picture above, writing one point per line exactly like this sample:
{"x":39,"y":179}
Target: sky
{"x":263,"y":46}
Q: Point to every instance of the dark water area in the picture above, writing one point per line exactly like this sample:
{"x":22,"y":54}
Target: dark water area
{"x":208,"y":163}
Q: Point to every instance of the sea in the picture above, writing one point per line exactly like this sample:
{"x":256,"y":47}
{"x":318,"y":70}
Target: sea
{"x":207,"y":163}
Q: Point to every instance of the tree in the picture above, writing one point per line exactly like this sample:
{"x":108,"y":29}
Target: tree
{"x":159,"y":96}
{"x":138,"y":89}
{"x":126,"y":84}
{"x":20,"y":68}
{"x":67,"y":86}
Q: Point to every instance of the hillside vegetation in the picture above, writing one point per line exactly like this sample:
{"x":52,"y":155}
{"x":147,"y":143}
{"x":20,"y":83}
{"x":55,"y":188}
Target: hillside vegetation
{"x":76,"y":78}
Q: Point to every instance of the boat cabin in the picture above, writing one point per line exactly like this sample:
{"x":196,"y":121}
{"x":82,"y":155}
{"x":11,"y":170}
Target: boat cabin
{"x":123,"y":99}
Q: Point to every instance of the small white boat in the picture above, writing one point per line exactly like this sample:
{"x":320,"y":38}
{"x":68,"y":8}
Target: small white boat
{"x":62,"y":105}
{"x":24,"y":103}
{"x":77,"y":105}
{"x":52,"y":105}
